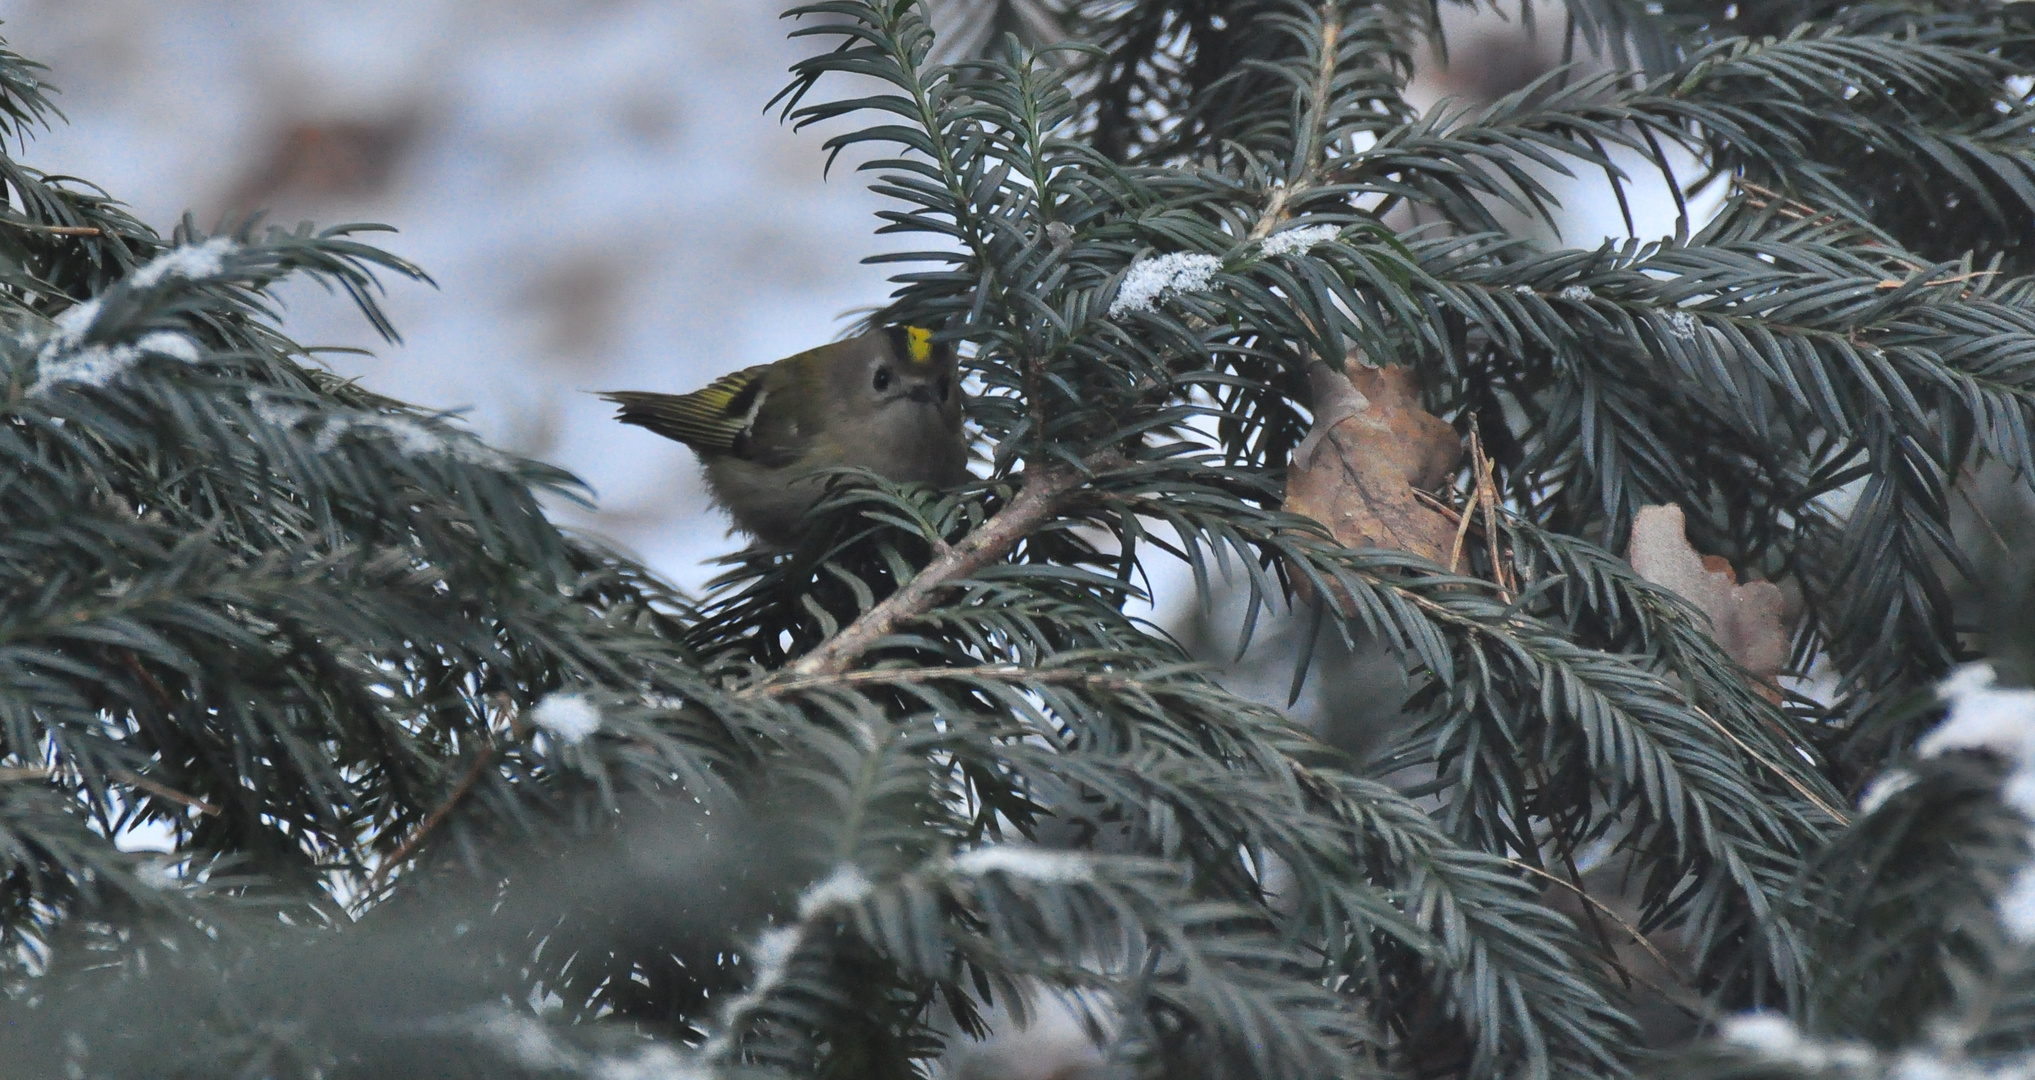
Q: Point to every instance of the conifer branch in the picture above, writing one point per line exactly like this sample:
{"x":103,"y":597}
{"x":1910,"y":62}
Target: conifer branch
{"x":412,"y":842}
{"x":1037,"y":500}
{"x":129,"y":776}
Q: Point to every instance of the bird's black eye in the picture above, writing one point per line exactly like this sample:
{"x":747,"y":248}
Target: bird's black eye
{"x":882,"y":379}
{"x":946,"y":387}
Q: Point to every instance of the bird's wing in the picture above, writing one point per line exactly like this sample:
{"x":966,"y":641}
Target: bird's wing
{"x":714,"y":420}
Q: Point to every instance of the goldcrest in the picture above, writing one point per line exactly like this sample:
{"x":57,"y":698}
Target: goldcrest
{"x":888,"y":401}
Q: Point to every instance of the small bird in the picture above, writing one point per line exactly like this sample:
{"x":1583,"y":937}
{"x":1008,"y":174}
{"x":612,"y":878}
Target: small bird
{"x":888,"y":401}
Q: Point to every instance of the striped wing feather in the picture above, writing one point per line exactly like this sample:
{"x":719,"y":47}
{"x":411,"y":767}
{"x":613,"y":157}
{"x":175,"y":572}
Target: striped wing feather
{"x":710,"y":420}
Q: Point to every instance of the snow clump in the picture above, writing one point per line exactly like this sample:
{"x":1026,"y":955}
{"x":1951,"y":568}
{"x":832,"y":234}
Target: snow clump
{"x":1776,"y":1039}
{"x":1984,"y":717}
{"x":1297,"y":241}
{"x":65,"y":359}
{"x":846,"y":885}
{"x":1029,"y":863}
{"x":190,"y":261}
{"x":569,"y":718}
{"x":1151,"y":280}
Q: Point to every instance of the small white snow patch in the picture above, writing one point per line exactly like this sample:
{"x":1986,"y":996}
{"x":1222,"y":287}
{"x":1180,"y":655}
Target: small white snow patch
{"x":1919,"y":1065}
{"x":1151,"y":280}
{"x":2019,"y":792}
{"x":173,"y":345}
{"x":569,"y":718}
{"x":1965,"y":680}
{"x":1681,"y":324}
{"x":158,"y":874}
{"x":1765,"y":1033}
{"x":72,"y":324}
{"x":411,"y":436}
{"x":2017,"y":905}
{"x":772,"y":959}
{"x":1032,"y":864}
{"x":1576,"y":294}
{"x":1884,"y":786}
{"x":270,"y":409}
{"x":1523,"y":289}
{"x":524,"y":1039}
{"x":773,"y":951}
{"x":656,"y":1062}
{"x":1983,"y":718}
{"x":846,"y":885}
{"x":93,"y":365}
{"x":1297,"y":241}
{"x":190,"y":261}
{"x":527,"y":1041}
{"x":98,"y":365}
{"x":1775,"y":1038}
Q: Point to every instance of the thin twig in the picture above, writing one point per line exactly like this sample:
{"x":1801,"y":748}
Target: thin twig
{"x":1782,"y":204}
{"x":1468,"y":515}
{"x":1800,"y":788}
{"x":409,"y":845}
{"x":1487,"y":501}
{"x":155,"y":688}
{"x":125,"y":776}
{"x":1568,"y":855}
{"x":1277,"y":210}
{"x":1032,"y":507}
{"x":1434,"y":503}
{"x":1631,"y":930}
{"x":154,"y":788}
{"x":780,"y":687}
{"x":1983,"y":518}
{"x":1274,"y":214}
{"x":1797,"y":210}
{"x":1674,"y":996}
{"x":55,"y":230}
{"x":168,"y":705}
{"x":1596,"y":921}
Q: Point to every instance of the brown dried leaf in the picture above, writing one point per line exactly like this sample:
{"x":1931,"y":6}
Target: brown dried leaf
{"x":1747,"y":620}
{"x":1371,"y":447}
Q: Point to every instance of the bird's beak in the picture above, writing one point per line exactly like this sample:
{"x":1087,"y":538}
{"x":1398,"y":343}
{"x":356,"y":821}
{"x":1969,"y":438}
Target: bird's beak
{"x":921,"y":394}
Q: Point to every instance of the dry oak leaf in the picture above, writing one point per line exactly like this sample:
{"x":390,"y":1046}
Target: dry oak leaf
{"x":1748,"y":621}
{"x":1371,"y":446}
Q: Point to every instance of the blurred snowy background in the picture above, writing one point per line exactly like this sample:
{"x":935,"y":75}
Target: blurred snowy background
{"x":603,"y":201}
{"x":594,"y":186}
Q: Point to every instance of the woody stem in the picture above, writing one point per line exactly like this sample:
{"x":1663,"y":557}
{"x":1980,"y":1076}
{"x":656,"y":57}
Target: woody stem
{"x":1033,"y":506}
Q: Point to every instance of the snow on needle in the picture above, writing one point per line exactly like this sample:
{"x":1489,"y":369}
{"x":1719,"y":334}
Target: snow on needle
{"x":1151,"y":280}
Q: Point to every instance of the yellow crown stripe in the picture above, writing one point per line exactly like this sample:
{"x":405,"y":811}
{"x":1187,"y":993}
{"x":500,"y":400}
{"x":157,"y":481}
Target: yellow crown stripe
{"x":918,"y":343}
